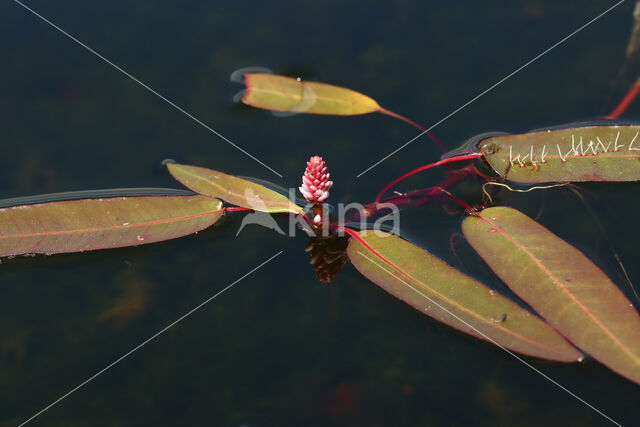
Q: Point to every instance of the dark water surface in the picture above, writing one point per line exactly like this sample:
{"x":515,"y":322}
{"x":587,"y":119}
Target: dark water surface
{"x":279,"y":348}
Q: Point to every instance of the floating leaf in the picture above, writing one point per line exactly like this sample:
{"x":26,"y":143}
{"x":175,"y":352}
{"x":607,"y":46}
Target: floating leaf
{"x":591,"y":153}
{"x":88,"y":224}
{"x":444,"y":293}
{"x":280,"y":93}
{"x":561,"y":284}
{"x":232,"y":189}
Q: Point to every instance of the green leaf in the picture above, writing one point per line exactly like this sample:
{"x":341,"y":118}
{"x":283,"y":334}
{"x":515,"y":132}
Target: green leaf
{"x":88,"y":224}
{"x":444,"y":293}
{"x":232,"y":189}
{"x":592,"y":153}
{"x":561,"y":284}
{"x":280,"y":93}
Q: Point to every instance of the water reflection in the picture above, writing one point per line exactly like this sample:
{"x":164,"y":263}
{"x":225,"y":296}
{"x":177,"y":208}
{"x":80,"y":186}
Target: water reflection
{"x":328,"y":255}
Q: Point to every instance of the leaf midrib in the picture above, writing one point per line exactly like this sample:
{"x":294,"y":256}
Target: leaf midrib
{"x":462,"y":308}
{"x":564,"y":289}
{"x":290,"y":207}
{"x":115,"y":227}
{"x":302,"y":98}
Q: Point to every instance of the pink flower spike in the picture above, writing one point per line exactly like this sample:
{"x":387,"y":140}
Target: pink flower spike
{"x":315,"y":181}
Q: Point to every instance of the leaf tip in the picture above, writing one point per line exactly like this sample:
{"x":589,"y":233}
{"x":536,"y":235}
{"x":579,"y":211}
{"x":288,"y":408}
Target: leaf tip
{"x":247,"y":84}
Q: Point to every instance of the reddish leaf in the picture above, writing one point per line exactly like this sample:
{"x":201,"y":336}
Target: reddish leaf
{"x":88,"y":224}
{"x":444,"y":293}
{"x":561,"y":284}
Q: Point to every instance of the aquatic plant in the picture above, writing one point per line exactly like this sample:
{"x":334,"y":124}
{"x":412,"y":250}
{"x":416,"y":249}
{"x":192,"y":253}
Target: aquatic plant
{"x":579,"y":307}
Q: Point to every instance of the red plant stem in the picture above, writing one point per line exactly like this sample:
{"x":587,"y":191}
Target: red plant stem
{"x":454,"y":178}
{"x":413,"y":199}
{"x":237,"y":209}
{"x":356,"y":236}
{"x":626,"y":101}
{"x":416,"y":125}
{"x":353,"y":234}
{"x":425,"y":167}
{"x":460,"y":174}
{"x":421,"y":197}
{"x":458,"y":201}
{"x":418,"y":197}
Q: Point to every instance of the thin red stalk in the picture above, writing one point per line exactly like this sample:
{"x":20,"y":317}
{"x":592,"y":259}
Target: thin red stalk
{"x":356,"y":236}
{"x":425,"y":167}
{"x":443,"y":195}
{"x":414,"y":197}
{"x":401,"y":202}
{"x":626,"y":101}
{"x":454,"y":178}
{"x":458,"y":201}
{"x":237,"y":209}
{"x":418,"y":197}
{"x":416,"y":125}
{"x":410,"y":200}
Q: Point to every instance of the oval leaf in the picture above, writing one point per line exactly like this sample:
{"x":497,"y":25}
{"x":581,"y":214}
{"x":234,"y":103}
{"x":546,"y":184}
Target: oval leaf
{"x":88,"y":224}
{"x":280,"y":93}
{"x":444,"y":293}
{"x":561,"y":284}
{"x":591,"y":153}
{"x":232,"y":189}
